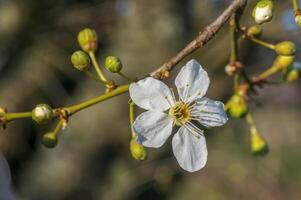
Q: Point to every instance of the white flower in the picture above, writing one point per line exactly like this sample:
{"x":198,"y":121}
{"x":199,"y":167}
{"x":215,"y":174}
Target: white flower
{"x":154,"y":126}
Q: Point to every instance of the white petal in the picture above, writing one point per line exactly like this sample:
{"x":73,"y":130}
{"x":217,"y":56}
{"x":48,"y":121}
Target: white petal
{"x":209,"y":113}
{"x":153,"y":128}
{"x":189,"y":150}
{"x":192,"y":81}
{"x":151,"y":94}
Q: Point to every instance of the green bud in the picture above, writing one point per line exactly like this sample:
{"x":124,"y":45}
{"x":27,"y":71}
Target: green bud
{"x":42,"y":113}
{"x":113,"y":64}
{"x":137,"y":150}
{"x":258,"y":144}
{"x":238,"y":106}
{"x":283,"y":62}
{"x":263,"y":11}
{"x":285,"y":48}
{"x":292,"y":75}
{"x":49,"y":140}
{"x":87,"y":39}
{"x":80,"y":60}
{"x":254,"y":31}
{"x":298,"y":20}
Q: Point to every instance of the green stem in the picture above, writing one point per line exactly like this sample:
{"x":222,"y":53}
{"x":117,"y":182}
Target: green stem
{"x":263,"y":43}
{"x":71,"y":109}
{"x":58,"y":127}
{"x":265,"y":74}
{"x":250,"y":122}
{"x":233,"y":40}
{"x":126,"y":77}
{"x":236,"y":82}
{"x":96,"y":66}
{"x":75,"y":108}
{"x":296,"y":6}
{"x":93,"y":77}
{"x":13,"y":116}
{"x":131,"y":116}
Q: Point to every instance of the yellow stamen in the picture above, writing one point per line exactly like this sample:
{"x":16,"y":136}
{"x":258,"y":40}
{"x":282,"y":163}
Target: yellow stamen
{"x":180,"y":112}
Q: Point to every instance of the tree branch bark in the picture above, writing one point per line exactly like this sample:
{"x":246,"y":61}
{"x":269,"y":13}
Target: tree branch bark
{"x":202,"y":38}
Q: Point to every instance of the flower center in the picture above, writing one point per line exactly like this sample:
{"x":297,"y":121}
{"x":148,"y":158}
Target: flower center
{"x":180,"y":112}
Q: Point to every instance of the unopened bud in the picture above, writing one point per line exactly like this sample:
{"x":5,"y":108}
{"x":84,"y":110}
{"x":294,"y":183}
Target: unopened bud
{"x":80,"y":60}
{"x":263,"y":11}
{"x":285,"y":48}
{"x":298,"y":20}
{"x":230,"y":69}
{"x":113,"y":64}
{"x":137,"y":150}
{"x":258,"y":144}
{"x":238,"y":106}
{"x":283,"y":62}
{"x":254,"y":31}
{"x":292,"y":75}
{"x":87,"y":39}
{"x":42,"y":113}
{"x":49,"y":140}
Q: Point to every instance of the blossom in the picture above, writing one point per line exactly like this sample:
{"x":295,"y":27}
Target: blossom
{"x":164,"y":112}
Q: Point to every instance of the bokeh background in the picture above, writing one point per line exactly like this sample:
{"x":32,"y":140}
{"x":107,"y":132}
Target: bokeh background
{"x":92,"y":160}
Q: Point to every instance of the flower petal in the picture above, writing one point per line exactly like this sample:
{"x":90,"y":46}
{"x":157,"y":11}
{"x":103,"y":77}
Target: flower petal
{"x":151,"y":94}
{"x":153,"y":128}
{"x":189,"y":150}
{"x":209,"y":113}
{"x":192,"y":81}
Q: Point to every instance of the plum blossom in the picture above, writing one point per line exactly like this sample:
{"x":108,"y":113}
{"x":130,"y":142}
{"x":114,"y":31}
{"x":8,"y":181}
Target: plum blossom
{"x":164,"y":112}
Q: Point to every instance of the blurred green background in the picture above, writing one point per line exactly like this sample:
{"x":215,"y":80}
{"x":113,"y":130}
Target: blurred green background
{"x":92,"y":159}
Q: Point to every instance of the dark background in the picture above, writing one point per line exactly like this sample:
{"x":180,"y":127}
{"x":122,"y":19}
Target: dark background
{"x":92,"y":159}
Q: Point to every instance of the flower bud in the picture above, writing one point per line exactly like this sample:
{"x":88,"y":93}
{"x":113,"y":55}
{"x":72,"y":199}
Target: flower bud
{"x":258,"y":144}
{"x":49,"y":140}
{"x":254,"y":31}
{"x":263,"y":11}
{"x":298,"y":20}
{"x":230,"y":69}
{"x":87,"y":39}
{"x":292,"y":75}
{"x":113,"y":64}
{"x":238,"y":106}
{"x":80,"y":60}
{"x":137,"y":150}
{"x":285,"y":48}
{"x":42,"y":113}
{"x":283,"y":62}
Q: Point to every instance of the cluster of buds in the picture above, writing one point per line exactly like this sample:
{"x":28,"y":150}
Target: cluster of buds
{"x":263,"y":11}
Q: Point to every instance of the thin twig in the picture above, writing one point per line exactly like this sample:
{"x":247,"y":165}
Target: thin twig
{"x":202,"y":38}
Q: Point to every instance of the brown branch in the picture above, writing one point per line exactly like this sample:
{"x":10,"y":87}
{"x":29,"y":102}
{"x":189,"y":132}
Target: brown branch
{"x":202,"y":38}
